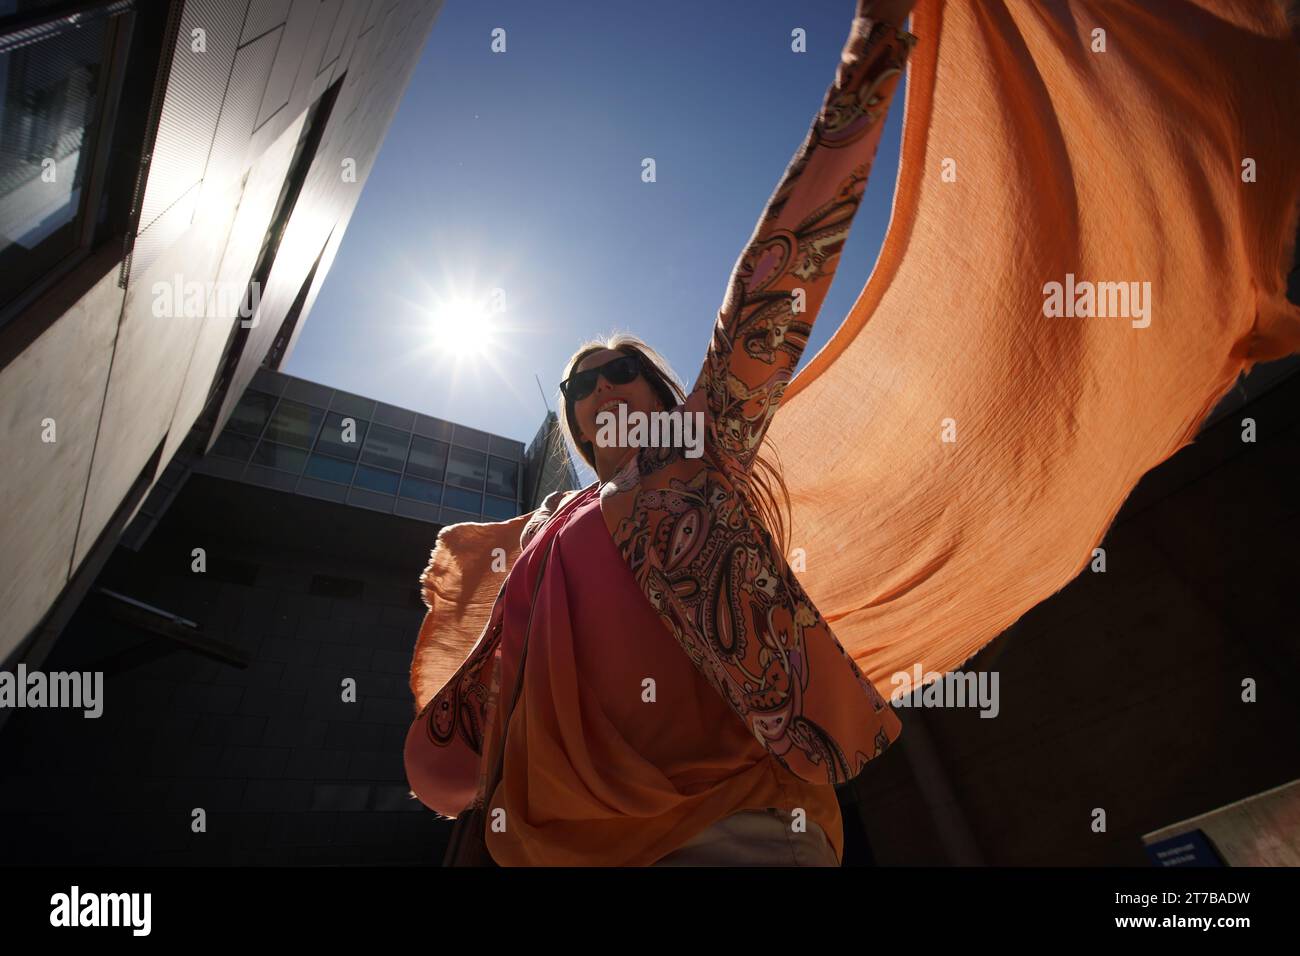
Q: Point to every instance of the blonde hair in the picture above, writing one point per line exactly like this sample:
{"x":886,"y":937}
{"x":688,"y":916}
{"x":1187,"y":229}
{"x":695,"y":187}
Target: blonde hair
{"x":765,"y":478}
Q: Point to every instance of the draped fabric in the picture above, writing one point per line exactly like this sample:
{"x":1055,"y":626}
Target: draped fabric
{"x":954,"y":454}
{"x":1094,"y":213}
{"x":467,"y":566}
{"x":618,"y":750}
{"x":684,"y":525}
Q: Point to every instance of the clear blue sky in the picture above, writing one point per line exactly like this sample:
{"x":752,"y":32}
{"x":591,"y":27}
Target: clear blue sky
{"x":522,"y":171}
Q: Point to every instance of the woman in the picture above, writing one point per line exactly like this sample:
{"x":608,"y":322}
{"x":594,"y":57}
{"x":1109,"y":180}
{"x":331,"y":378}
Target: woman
{"x":681,"y":700}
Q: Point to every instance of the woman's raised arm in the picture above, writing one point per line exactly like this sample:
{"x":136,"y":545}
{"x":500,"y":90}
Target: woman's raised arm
{"x":785,"y":271}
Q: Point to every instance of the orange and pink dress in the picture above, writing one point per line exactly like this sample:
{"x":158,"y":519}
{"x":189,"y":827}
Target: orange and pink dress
{"x":618,"y":750}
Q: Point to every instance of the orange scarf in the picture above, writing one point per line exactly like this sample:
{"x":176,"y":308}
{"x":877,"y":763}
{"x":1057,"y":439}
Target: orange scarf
{"x":955,"y":454}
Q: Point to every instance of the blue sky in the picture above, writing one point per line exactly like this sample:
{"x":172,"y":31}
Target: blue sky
{"x":522,"y":171}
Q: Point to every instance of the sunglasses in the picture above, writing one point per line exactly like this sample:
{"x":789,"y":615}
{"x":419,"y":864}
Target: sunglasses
{"x":620,"y":371}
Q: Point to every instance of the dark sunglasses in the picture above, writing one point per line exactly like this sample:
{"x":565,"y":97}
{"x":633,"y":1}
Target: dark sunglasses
{"x":619,"y":371}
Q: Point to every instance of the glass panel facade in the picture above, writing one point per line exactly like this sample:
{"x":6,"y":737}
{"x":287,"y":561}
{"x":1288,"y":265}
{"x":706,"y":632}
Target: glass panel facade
{"x":280,"y":457}
{"x":422,"y":490}
{"x":502,"y":477}
{"x":466,"y":468}
{"x":376,"y":479}
{"x":294,"y":424}
{"x":371,"y":458}
{"x":385,"y":447}
{"x":231,"y":445}
{"x":330,"y":469}
{"x":49,"y":93}
{"x":342,"y":436}
{"x":454,"y":497}
{"x":428,"y":458}
{"x":499,"y":509}
{"x":250,"y":415}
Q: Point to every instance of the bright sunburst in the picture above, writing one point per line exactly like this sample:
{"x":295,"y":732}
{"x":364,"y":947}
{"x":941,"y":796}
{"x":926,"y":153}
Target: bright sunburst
{"x":462,"y":328}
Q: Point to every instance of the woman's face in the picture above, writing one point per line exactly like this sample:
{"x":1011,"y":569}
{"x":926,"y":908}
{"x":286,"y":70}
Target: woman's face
{"x":638,"y":395}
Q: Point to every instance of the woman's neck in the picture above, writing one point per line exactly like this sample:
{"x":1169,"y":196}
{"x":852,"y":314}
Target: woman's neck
{"x":608,"y":465}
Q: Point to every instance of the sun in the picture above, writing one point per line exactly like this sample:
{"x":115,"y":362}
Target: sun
{"x":462,"y":328}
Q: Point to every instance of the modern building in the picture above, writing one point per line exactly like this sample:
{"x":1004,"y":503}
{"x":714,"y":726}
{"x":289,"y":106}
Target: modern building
{"x":175,"y":181}
{"x":255,"y":627}
{"x":549,"y":467}
{"x":303,"y":437}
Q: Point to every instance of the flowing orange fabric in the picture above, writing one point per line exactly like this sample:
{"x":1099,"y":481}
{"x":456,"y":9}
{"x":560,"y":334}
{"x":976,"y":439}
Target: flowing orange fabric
{"x":460,"y":585}
{"x":466,"y":569}
{"x":964,"y":441}
{"x":1027,"y":159}
{"x":596,"y":772}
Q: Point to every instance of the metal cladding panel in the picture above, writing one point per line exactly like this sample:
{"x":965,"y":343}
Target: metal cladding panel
{"x":372,"y":15}
{"x":355,"y":130}
{"x":297,"y":33}
{"x":342,"y":26}
{"x":165,"y":230}
{"x":235,"y":127}
{"x":350,"y":37}
{"x":196,"y":86}
{"x":264,"y":15}
{"x":320,"y":38}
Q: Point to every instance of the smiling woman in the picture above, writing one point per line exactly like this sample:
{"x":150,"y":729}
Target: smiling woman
{"x":682,"y":701}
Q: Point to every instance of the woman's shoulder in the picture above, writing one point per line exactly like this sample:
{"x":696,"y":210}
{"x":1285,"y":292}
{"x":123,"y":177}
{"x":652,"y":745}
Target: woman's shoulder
{"x":550,"y":504}
{"x":555,"y":499}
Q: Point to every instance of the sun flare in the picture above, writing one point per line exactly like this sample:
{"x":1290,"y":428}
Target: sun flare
{"x":462,"y":328}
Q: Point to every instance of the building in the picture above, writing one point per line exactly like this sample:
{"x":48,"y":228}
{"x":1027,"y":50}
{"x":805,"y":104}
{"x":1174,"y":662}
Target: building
{"x":254,"y":627}
{"x":293,"y":435}
{"x":549,"y":467}
{"x":158,"y":159}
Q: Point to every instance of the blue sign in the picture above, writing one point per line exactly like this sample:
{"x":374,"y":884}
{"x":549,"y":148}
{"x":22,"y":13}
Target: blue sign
{"x":1192,"y":848}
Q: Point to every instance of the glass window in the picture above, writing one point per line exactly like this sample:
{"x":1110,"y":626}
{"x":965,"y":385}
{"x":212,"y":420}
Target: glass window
{"x":464,"y":500}
{"x":294,"y":424}
{"x":499,"y":508}
{"x":376,"y":480}
{"x":428,"y":458}
{"x":466,"y":468}
{"x":251,"y":413}
{"x":502,"y":477}
{"x":422,"y":490}
{"x":231,"y":445}
{"x":386,"y":447}
{"x":342,"y":435}
{"x":280,"y":457}
{"x":48,"y":117}
{"x":330,"y":469}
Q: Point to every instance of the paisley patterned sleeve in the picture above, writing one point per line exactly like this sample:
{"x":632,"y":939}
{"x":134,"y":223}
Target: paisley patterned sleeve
{"x":785,"y":271}
{"x":444,"y":744}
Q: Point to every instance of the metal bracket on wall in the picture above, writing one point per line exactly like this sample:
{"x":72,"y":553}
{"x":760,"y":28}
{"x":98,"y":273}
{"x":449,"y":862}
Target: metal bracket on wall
{"x":171,"y":626}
